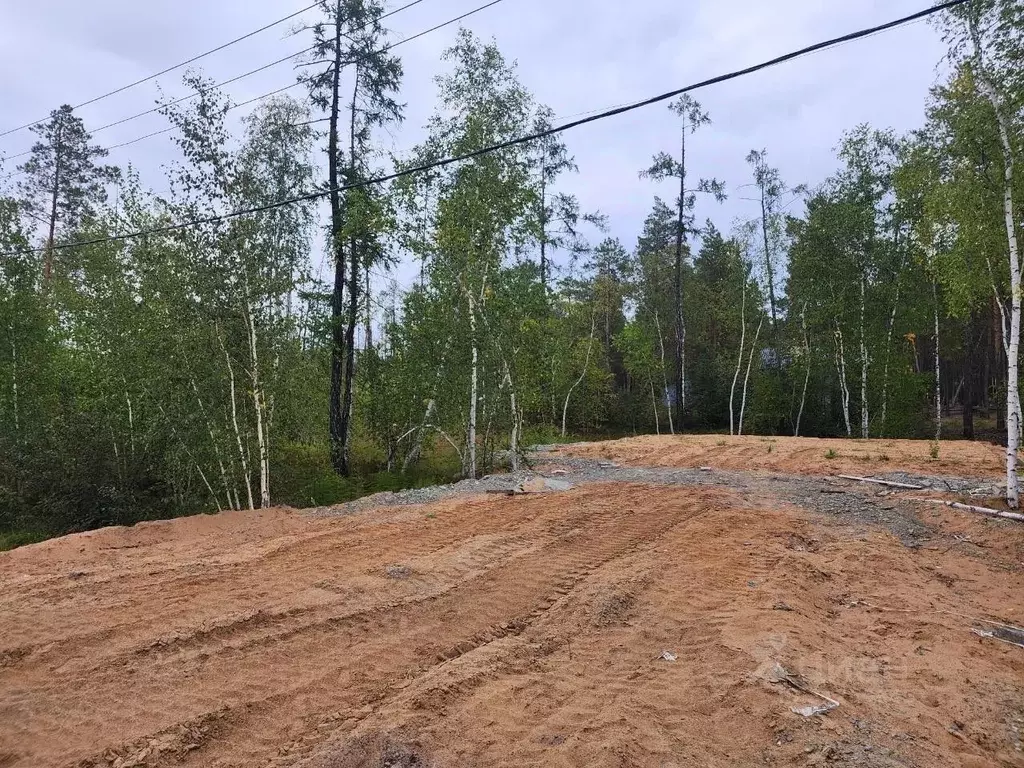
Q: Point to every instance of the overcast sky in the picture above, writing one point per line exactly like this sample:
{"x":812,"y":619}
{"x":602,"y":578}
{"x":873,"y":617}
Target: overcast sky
{"x":574,"y":55}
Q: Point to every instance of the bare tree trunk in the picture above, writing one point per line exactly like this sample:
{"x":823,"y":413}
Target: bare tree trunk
{"x":348,"y":399}
{"x":1004,"y":337}
{"x":58,"y":156}
{"x":14,"y":383}
{"x":807,"y":375}
{"x":864,"y":362}
{"x":888,"y":355}
{"x":513,"y":442}
{"x":188,"y":453}
{"x":335,"y":406}
{"x":213,"y":442}
{"x":238,"y":432}
{"x":769,"y":268}
{"x":586,"y":366}
{"x":368,"y":320}
{"x":938,"y":370}
{"x":664,"y":371}
{"x":680,"y":321}
{"x":417,"y":447}
{"x":473,"y":383}
{"x":544,"y":232}
{"x":654,"y":404}
{"x":131,"y":419}
{"x":260,"y":407}
{"x":1013,"y":413}
{"x":746,"y":379}
{"x":739,"y":357}
{"x":844,"y":388}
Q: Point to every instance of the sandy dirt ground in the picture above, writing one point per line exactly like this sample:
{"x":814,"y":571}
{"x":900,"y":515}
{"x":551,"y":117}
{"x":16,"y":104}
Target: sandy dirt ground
{"x":525,"y":631}
{"x":800,"y":454}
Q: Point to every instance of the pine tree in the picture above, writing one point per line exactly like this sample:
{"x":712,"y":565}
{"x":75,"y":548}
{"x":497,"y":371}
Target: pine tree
{"x":63,"y":184}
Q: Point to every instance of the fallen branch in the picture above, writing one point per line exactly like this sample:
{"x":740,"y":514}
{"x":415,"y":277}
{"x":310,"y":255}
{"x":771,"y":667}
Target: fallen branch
{"x":882,"y":482}
{"x":944,"y":612}
{"x":1019,"y":517}
{"x":782,"y":675}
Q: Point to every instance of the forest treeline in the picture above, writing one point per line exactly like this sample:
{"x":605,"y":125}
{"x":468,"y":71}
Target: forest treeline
{"x":218,"y":366}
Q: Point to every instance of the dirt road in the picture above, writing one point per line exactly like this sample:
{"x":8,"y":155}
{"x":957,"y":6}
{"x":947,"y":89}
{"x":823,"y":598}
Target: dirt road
{"x":485,"y":630}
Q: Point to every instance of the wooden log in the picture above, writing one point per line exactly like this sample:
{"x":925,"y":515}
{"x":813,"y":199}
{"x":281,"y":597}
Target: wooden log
{"x":882,"y":482}
{"x":1019,"y":517}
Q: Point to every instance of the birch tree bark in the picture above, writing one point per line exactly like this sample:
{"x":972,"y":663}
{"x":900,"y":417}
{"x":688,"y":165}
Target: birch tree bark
{"x":807,"y":374}
{"x":1013,"y":413}
{"x":938,"y":369}
{"x":739,"y":357}
{"x":664,"y":371}
{"x":844,"y":389}
{"x":586,"y":366}
{"x":864,"y":361}
{"x":746,"y":378}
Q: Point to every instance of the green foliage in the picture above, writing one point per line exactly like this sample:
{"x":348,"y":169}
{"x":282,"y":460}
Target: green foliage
{"x":205,"y":368}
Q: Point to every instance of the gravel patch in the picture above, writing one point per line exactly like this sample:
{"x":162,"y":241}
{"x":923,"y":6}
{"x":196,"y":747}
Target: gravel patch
{"x":849,"y":501}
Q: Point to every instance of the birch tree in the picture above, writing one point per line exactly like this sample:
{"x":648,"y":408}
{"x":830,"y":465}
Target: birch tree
{"x":987,"y":36}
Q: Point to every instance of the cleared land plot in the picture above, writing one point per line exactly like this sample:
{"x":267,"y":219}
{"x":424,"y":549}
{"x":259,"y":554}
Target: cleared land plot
{"x":485,"y":630}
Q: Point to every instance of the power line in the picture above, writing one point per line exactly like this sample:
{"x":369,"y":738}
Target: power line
{"x":297,"y":83}
{"x":521,"y":139}
{"x":162,"y":72}
{"x":235,"y":79}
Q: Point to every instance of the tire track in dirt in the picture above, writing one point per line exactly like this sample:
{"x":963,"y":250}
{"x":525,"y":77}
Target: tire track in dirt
{"x":259,"y":676}
{"x":227,"y":590}
{"x":506,"y":600}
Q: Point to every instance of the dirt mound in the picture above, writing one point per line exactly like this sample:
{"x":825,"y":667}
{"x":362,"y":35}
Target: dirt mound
{"x":530,"y":630}
{"x":798,"y":455}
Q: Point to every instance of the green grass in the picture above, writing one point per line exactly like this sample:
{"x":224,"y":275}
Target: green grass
{"x":831,"y":454}
{"x":13,"y":539}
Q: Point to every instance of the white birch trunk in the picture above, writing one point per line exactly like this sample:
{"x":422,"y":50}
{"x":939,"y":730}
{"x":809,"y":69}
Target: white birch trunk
{"x":864,"y":362}
{"x":654,"y":404}
{"x":14,"y":384}
{"x":739,"y":358}
{"x":746,"y":378}
{"x":1013,"y":414}
{"x":513,"y":441}
{"x":131,"y":421}
{"x":938,"y":370}
{"x":885,"y":369}
{"x":844,"y":389}
{"x":473,"y":391}
{"x":238,"y":432}
{"x":664,"y":372}
{"x":807,"y":375}
{"x":586,"y":366}
{"x":259,"y":406}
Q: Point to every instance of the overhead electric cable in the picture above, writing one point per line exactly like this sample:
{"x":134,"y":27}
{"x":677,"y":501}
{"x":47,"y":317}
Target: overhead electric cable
{"x":519,"y":140}
{"x":171,"y":68}
{"x":298,"y":82}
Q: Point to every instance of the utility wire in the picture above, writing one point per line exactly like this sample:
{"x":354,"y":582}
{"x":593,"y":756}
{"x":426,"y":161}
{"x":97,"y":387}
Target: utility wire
{"x":235,"y":79}
{"x":162,"y":72}
{"x":298,"y":82}
{"x":516,"y":141}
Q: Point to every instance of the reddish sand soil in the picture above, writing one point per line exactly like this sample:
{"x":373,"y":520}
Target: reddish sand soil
{"x":493,"y":631}
{"x":799,"y":455}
